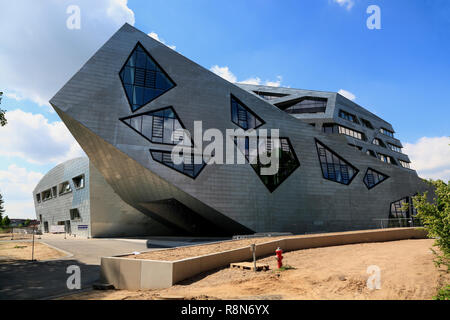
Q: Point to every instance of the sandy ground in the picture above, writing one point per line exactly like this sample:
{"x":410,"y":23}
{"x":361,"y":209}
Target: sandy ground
{"x":199,"y":250}
{"x":407,"y":272}
{"x":16,"y":250}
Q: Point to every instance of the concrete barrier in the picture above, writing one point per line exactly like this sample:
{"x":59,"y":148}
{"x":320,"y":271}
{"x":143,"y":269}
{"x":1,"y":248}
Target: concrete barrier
{"x":135,"y":274}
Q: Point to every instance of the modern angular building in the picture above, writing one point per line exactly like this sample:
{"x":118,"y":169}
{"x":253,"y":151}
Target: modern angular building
{"x":341,"y":167}
{"x":75,"y":195}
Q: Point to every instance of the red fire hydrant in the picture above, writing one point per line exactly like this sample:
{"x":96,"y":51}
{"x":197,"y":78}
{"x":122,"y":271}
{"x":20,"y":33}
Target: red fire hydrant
{"x":279,"y":257}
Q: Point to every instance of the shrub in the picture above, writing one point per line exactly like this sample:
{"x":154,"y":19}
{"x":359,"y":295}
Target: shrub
{"x":435,"y":217}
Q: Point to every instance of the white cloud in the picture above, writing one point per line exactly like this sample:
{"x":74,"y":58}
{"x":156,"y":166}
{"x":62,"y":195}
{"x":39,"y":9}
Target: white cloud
{"x":16,"y":187}
{"x":20,"y":209}
{"x":33,"y":138}
{"x":38,"y":53}
{"x":276,"y":83}
{"x":155,"y":36}
{"x":348,"y":4}
{"x":347,"y":94}
{"x":430,"y":156}
{"x":226,"y":73}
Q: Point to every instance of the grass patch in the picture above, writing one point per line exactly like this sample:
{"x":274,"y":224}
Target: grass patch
{"x":443,"y":293}
{"x":286,"y":267}
{"x":19,"y":247}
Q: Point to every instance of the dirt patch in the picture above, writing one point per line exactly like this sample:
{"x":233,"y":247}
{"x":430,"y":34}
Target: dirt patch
{"x":200,"y":250}
{"x":407,"y":272}
{"x":17,"y":250}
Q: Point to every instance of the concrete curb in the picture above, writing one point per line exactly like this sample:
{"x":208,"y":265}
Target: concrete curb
{"x":67,"y":253}
{"x":135,"y":274}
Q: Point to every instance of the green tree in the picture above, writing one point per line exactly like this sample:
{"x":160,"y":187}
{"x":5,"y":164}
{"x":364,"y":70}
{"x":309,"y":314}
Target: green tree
{"x":6,"y":222}
{"x":435,"y":217}
{"x":27,"y":223}
{"x":436,"y":220}
{"x":3,"y":120}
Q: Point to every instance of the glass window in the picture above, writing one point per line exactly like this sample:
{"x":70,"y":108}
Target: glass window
{"x":395,"y":148}
{"x":78,"y":182}
{"x":351,"y":133}
{"x":366,"y":123}
{"x":373,"y":177}
{"x":386,"y":158}
{"x":387,"y":132}
{"x":405,"y":164}
{"x":242,"y":116}
{"x":371,"y":153}
{"x":46,"y":195}
{"x":75,"y":214}
{"x":269,"y":95}
{"x":334,"y":167}
{"x":143,"y":79}
{"x":288,"y":161}
{"x":306,"y":105}
{"x":187,"y":167}
{"x":38,"y":197}
{"x":64,"y":188}
{"x":398,"y":209}
{"x":54,"y":192}
{"x":348,"y":116}
{"x":378,"y":142}
{"x":159,"y":126}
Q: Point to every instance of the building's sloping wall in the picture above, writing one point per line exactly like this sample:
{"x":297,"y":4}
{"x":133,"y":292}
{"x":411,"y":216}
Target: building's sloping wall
{"x":304,"y":202}
{"x":112,"y":217}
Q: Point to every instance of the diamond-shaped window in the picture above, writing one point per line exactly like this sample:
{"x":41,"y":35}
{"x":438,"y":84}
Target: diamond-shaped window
{"x":143,"y":79}
{"x":159,"y":126}
{"x":287,"y":158}
{"x":334,"y":167}
{"x":242,"y":116}
{"x":373,"y":177}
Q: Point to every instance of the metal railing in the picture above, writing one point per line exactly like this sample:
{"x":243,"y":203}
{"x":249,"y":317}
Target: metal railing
{"x":398,"y":223}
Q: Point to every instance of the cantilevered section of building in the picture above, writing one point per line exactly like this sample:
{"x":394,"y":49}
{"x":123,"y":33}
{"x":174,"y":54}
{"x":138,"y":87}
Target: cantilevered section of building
{"x":341,"y":167}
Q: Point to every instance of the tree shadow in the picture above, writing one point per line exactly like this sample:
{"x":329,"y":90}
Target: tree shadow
{"x":25,"y":279}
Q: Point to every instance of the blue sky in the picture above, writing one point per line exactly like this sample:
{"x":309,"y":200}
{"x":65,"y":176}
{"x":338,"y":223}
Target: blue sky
{"x":401,"y":72}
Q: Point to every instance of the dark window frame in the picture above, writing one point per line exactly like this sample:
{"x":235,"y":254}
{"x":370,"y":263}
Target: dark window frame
{"x":74,"y":217}
{"x":291,"y":149}
{"x":156,"y":63}
{"x":272,"y":95}
{"x":366,"y":123}
{"x":45,"y":192}
{"x":153,"y":111}
{"x":184,"y":173}
{"x":347,"y":115}
{"x":82,"y":178}
{"x":378,"y":172}
{"x":407,"y":164}
{"x":387,"y":132}
{"x":340,"y":157}
{"x":54,"y":191}
{"x":61,"y":192}
{"x":395,"y":148}
{"x":233,"y":97}
{"x":380,"y":142}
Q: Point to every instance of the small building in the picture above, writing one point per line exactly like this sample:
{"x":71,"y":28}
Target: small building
{"x":64,"y":202}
